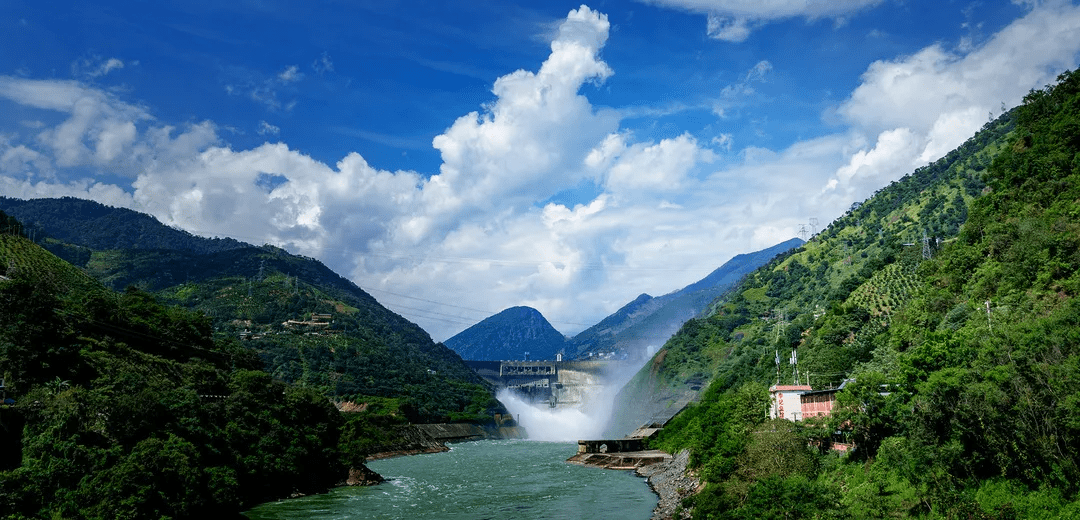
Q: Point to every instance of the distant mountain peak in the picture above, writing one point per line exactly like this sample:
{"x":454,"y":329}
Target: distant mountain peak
{"x":509,"y":335}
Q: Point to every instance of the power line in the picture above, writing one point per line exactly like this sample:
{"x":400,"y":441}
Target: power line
{"x":489,"y":313}
{"x":428,"y":301}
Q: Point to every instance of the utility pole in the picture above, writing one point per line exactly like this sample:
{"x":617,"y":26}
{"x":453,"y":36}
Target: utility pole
{"x":776,"y":344}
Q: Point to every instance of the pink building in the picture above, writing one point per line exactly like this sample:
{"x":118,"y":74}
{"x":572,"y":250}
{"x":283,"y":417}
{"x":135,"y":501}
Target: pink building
{"x":800,"y":402}
{"x":818,"y":403}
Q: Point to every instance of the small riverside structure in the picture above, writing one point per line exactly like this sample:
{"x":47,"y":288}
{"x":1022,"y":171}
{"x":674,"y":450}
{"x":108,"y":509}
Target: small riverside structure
{"x":819,"y":403}
{"x":626,"y":453}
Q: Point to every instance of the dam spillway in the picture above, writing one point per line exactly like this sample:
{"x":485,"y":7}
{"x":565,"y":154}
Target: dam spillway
{"x":557,"y":383}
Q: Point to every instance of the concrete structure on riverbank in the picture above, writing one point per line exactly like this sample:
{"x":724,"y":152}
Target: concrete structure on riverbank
{"x":626,"y":453}
{"x":630,"y":452}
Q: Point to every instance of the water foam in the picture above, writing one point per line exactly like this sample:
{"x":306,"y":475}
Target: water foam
{"x":587,"y":420}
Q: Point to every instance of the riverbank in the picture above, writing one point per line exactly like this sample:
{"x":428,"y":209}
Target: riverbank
{"x":432,"y":438}
{"x":666,"y":475}
{"x":671,"y":481}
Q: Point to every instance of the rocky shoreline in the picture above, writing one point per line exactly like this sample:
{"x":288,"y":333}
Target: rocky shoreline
{"x":672,"y":483}
{"x":667,"y":476}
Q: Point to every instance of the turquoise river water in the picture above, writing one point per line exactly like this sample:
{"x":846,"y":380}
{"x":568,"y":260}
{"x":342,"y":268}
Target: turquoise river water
{"x":480,"y":480}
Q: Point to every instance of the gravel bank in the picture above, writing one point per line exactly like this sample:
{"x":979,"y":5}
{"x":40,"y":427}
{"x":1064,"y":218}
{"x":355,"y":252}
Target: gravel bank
{"x":671,"y":481}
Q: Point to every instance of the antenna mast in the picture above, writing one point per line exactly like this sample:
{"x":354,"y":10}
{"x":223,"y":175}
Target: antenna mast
{"x":794,"y":364}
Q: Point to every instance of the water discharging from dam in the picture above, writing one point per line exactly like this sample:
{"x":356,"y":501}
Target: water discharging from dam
{"x":575,"y":401}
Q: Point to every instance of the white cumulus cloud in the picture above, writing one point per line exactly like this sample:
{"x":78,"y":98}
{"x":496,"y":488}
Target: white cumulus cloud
{"x":734,"y":20}
{"x":924,"y":105}
{"x":486,"y":231}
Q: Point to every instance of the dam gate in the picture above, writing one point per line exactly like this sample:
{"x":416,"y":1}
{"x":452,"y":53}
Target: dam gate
{"x":556,"y":383}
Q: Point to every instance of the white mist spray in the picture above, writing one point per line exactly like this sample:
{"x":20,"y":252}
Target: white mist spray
{"x":544,"y":423}
{"x":586,"y":420}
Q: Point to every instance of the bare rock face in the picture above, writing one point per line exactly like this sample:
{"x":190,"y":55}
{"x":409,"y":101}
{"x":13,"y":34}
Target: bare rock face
{"x":363,"y":476}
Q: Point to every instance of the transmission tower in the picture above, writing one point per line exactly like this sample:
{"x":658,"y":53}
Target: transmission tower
{"x":926,"y":254}
{"x":803,"y":232}
{"x":813,"y":225}
{"x":778,"y":365}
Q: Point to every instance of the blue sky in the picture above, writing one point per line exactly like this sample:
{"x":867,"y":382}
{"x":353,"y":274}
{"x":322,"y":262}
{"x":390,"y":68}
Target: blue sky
{"x":458,"y":158}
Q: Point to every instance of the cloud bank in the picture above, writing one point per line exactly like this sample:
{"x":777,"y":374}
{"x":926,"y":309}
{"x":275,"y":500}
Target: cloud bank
{"x":491,"y":228}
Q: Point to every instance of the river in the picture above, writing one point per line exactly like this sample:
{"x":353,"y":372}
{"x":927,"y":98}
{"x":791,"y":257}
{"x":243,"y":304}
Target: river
{"x":480,"y":480}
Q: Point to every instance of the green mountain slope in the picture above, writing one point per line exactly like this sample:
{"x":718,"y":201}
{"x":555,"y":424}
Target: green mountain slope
{"x":829,"y":297}
{"x":126,"y":408}
{"x":97,"y":227}
{"x":361,"y":350}
{"x":965,"y":351}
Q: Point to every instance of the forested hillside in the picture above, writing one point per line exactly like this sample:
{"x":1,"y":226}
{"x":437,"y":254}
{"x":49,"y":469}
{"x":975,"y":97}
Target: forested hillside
{"x":126,"y":408}
{"x":830,"y":297}
{"x":964,"y":347}
{"x":93,"y":226}
{"x":265,"y":297}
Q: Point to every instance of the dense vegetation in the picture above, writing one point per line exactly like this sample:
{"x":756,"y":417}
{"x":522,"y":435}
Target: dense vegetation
{"x":965,"y":351}
{"x":126,"y":408}
{"x":365,"y":351}
{"x":91,"y":226}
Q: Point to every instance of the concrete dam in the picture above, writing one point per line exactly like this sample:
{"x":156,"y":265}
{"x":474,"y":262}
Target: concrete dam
{"x":558,"y":384}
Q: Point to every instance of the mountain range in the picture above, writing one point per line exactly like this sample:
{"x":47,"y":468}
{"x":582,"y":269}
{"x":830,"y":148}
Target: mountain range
{"x":360,"y":349}
{"x":627,"y":333}
{"x":649,"y":321}
{"x":945,"y":307}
